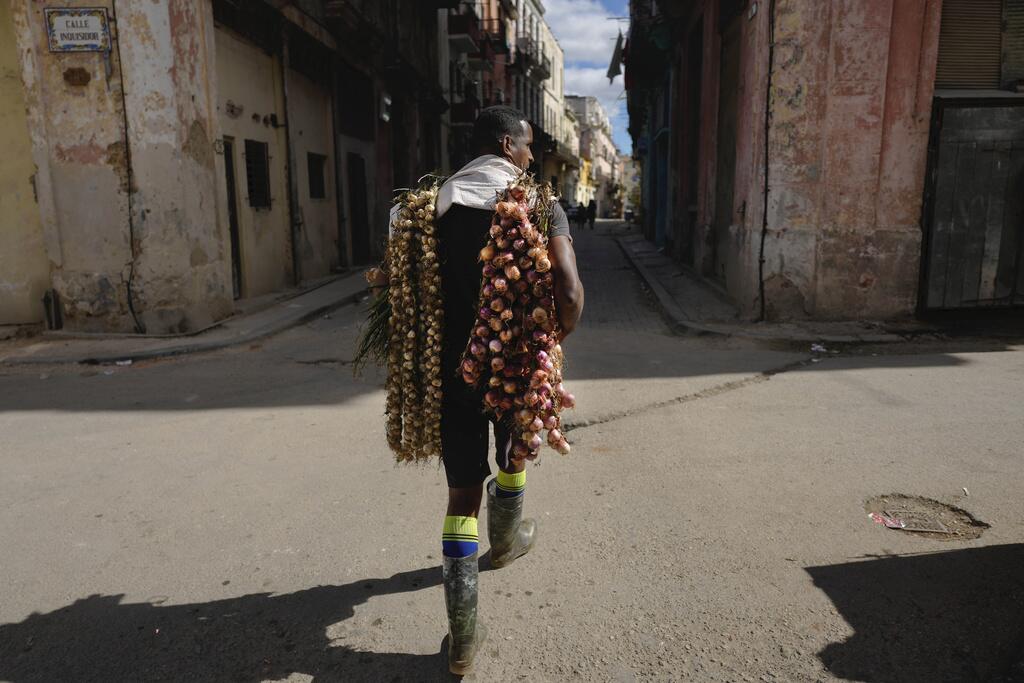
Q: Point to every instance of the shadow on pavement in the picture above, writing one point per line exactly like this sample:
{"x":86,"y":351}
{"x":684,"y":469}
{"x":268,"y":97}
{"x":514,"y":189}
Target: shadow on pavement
{"x":943,"y":616}
{"x":249,"y":638}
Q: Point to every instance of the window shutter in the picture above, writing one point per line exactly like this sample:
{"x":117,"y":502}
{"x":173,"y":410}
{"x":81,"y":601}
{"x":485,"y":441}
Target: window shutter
{"x":970,"y":44}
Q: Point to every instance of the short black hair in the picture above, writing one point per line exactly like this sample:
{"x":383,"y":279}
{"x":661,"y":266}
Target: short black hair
{"x":494,"y":123}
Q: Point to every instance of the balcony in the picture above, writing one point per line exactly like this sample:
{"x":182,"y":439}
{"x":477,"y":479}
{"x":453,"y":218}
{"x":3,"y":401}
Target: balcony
{"x":542,"y":69}
{"x":483,"y":59}
{"x":464,"y":31}
{"x":564,"y":151}
{"x":525,"y":56}
{"x":496,"y":31}
{"x":510,"y":8}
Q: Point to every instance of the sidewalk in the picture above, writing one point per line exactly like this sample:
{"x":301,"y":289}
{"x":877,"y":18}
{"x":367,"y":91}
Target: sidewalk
{"x":693,"y":306}
{"x":254,"y":321}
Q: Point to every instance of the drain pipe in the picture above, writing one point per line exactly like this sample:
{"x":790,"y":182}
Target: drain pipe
{"x":292,"y":178}
{"x":767,"y":131}
{"x":139,"y":327}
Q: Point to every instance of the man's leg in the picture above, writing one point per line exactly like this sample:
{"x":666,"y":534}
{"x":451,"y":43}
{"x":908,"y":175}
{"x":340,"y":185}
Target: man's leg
{"x":464,"y":452}
{"x":509,"y":534}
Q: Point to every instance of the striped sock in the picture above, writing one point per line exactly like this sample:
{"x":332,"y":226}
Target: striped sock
{"x":459,"y":537}
{"x":510,"y":484}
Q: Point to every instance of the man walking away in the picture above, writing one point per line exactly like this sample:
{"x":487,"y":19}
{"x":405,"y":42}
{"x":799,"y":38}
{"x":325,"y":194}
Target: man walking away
{"x":592,"y":213}
{"x":465,"y":206}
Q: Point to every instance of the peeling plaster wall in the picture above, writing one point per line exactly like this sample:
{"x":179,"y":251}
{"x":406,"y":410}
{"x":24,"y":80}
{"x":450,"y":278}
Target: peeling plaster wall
{"x":24,"y":268}
{"x":99,"y":181}
{"x":182,"y":270}
{"x":250,"y":79}
{"x":851,"y":93}
{"x":78,"y":145}
{"x":310,"y":119}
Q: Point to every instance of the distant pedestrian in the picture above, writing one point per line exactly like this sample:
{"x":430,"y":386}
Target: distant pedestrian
{"x":592,"y":213}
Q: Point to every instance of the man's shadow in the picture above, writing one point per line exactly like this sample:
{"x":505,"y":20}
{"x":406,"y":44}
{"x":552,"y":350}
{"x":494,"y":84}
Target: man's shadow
{"x":249,"y":638}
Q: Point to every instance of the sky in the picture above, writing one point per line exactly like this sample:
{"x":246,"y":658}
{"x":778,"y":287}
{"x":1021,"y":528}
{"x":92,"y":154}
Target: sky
{"x":587,"y":38}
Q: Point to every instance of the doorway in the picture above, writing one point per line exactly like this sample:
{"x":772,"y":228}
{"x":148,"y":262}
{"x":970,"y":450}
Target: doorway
{"x":725,"y":179}
{"x":691,"y":140}
{"x":236,"y":240}
{"x":359,"y":210}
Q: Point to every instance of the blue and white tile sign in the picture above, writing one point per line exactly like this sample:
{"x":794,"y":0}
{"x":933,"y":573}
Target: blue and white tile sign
{"x":78,"y":30}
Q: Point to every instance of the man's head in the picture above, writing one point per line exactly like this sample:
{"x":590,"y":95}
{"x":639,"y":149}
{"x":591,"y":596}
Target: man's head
{"x":505,"y":132}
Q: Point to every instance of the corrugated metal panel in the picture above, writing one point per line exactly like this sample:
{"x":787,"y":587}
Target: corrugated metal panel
{"x":1013,"y":42}
{"x":970,"y":44}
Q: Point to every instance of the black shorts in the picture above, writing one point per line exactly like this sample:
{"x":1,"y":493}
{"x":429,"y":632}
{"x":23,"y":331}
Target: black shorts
{"x":464,"y":435}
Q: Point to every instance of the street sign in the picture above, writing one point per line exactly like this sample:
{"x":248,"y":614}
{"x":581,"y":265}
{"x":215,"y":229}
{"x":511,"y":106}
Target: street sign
{"x":78,"y":30}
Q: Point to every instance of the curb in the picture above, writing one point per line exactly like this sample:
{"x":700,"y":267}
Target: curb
{"x":679,"y":323}
{"x":198,"y":347}
{"x":61,"y":335}
{"x":677,"y":319}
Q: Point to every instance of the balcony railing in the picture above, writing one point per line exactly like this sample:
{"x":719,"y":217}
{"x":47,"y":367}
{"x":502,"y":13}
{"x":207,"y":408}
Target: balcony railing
{"x":527,"y":46}
{"x":496,"y":31}
{"x":464,"y":31}
{"x":542,"y":69}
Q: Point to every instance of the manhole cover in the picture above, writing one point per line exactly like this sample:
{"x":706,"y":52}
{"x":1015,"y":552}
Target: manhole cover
{"x":924,"y":517}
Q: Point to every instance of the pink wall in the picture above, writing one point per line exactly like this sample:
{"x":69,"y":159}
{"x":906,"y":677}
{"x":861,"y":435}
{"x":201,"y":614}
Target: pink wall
{"x":851,"y":101}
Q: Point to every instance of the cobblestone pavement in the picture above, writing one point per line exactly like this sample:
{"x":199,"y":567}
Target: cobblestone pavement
{"x":615,"y":297}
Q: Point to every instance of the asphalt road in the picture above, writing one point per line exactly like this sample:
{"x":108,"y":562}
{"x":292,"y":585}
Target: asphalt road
{"x":236,"y":517}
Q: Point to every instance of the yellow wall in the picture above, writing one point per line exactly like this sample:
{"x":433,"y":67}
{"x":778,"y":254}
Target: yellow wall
{"x":310,"y":119}
{"x":250,"y":79}
{"x":24,"y":268}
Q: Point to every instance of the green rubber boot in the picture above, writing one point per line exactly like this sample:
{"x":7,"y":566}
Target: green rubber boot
{"x":510,"y":535}
{"x":465,"y":635}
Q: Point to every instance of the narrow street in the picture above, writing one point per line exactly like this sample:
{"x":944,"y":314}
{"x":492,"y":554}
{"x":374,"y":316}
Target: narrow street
{"x":236,"y":516}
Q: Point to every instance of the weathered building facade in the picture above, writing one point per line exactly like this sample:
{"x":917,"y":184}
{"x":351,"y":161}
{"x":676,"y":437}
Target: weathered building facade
{"x":599,"y":152}
{"x":125,"y":177}
{"x":192,"y":153}
{"x":202,"y":151}
{"x":799,"y":153}
{"x":503,"y":52}
{"x":24,"y":267}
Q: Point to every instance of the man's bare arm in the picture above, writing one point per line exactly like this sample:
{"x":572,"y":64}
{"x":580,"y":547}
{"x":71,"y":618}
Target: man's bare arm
{"x":568,"y":288}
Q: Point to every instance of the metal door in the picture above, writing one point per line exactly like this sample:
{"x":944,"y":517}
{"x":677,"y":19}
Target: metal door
{"x":974,"y":219}
{"x":236,"y":240}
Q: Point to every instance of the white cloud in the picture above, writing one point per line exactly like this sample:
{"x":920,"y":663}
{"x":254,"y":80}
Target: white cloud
{"x":581,"y":80}
{"x":583,"y":30}
{"x":588,"y":38}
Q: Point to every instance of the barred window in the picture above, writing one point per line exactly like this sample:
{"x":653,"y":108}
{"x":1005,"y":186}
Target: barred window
{"x":317,"y":165}
{"x":257,"y":173}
